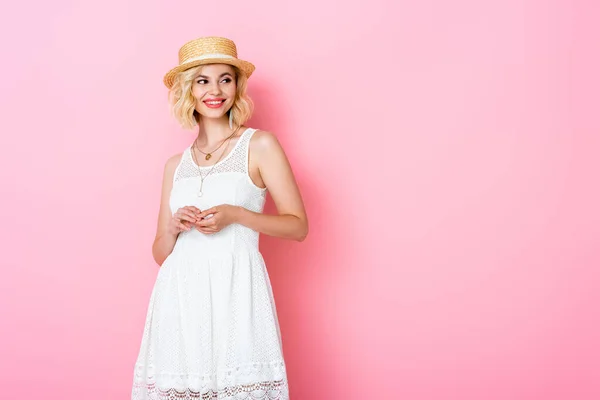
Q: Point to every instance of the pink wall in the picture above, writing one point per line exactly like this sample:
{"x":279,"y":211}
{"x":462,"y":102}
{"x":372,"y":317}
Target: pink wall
{"x":448,"y":156}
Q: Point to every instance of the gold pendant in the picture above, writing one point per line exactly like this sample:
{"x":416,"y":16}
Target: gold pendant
{"x":208,"y":156}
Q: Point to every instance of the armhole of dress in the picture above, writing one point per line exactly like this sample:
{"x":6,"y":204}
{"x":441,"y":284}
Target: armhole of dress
{"x":247,"y":160}
{"x":178,"y":167}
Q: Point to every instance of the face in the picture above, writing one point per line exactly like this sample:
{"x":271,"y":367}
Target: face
{"x":214,"y":88}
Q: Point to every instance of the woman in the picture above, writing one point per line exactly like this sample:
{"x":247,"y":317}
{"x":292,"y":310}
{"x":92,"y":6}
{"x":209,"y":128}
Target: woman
{"x":211,"y":329}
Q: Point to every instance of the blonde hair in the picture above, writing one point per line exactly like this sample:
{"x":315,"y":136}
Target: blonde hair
{"x":182,"y":101}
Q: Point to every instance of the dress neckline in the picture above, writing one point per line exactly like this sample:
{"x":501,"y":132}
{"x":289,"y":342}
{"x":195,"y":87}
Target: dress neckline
{"x":224,"y":158}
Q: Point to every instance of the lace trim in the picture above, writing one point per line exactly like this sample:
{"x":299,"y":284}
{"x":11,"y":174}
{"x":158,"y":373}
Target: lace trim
{"x":235,"y":161}
{"x":271,"y":390}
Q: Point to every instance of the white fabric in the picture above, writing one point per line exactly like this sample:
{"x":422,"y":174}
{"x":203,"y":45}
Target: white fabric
{"x":211,"y":329}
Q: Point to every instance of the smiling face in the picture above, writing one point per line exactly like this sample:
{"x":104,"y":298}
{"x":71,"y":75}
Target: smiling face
{"x":214,"y":88}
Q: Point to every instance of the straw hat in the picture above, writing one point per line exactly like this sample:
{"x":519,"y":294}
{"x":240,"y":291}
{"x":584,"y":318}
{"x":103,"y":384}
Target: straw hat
{"x":208,"y":50}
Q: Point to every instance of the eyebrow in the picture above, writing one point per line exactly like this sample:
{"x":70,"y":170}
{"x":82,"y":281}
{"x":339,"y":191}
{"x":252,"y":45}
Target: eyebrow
{"x":222,"y":75}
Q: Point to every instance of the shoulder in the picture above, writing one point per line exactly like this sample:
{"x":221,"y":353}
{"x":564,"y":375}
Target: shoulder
{"x":264,"y":141}
{"x":172,"y":163}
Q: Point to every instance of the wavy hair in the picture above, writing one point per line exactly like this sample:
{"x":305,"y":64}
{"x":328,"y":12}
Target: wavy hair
{"x":182,"y":102}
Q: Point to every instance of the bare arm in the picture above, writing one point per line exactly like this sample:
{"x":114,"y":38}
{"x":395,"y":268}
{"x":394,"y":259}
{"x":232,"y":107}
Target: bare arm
{"x":269,"y":166}
{"x":276,"y":174}
{"x":168,"y":227}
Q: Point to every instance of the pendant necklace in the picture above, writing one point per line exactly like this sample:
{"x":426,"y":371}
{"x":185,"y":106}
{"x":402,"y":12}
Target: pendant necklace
{"x":203,"y":177}
{"x":208,"y":155}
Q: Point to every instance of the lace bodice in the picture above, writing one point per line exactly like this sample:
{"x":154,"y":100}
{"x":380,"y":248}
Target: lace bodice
{"x":236,"y":161}
{"x":227,"y":183}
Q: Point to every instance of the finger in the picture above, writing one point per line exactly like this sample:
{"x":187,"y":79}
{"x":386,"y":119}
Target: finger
{"x":188,"y":215}
{"x":211,"y":210}
{"x":201,"y":224}
{"x":202,"y":229}
{"x":195,"y":210}
{"x":185,"y":217}
{"x":186,"y":210}
{"x":183,"y":227}
{"x":206,"y":222}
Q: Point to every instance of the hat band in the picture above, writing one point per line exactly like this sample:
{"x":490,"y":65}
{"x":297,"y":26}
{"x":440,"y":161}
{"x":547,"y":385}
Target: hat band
{"x":206,"y":56}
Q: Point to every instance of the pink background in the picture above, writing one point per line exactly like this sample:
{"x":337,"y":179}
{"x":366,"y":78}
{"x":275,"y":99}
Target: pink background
{"x":448,"y":157}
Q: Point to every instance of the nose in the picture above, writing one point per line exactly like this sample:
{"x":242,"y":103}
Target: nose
{"x":215,"y":89}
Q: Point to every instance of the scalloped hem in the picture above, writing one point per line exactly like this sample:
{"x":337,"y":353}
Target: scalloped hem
{"x":270,"y":390}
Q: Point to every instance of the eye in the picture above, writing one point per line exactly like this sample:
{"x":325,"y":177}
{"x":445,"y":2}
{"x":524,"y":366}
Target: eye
{"x":201,"y":81}
{"x":226,"y":80}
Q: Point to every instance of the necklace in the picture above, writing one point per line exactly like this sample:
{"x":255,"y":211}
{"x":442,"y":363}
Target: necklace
{"x":209,"y":154}
{"x":203,"y":177}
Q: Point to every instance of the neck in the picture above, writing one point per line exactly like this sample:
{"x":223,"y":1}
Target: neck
{"x":213,"y":130}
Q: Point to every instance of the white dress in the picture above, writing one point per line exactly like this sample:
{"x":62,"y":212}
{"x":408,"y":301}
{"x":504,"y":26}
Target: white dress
{"x":211,"y":329}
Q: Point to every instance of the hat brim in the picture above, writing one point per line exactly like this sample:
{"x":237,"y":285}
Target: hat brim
{"x":246,"y":67}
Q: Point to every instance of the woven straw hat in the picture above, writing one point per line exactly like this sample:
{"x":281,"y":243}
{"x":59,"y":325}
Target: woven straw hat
{"x":208,"y":50}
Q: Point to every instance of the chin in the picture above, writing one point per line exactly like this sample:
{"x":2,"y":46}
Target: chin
{"x":211,"y":115}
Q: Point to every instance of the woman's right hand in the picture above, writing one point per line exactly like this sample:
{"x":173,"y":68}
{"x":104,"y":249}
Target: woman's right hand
{"x":183,"y":219}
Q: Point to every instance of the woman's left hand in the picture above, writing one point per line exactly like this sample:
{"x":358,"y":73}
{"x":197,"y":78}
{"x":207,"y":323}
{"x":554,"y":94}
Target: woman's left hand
{"x":216,"y":218}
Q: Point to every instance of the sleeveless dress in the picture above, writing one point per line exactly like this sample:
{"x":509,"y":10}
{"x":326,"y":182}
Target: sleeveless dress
{"x":211,"y":329}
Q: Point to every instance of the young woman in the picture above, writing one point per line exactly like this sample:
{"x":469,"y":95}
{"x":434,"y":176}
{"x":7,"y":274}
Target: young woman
{"x":211,"y":329}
